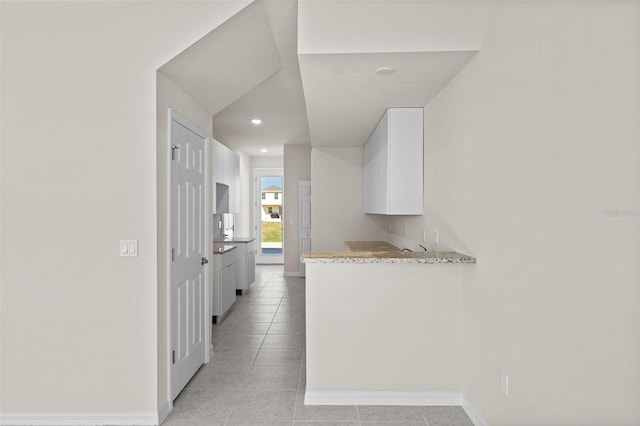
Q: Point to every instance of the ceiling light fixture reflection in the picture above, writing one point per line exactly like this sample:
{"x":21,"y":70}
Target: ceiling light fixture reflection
{"x":256,"y":121}
{"x":263,"y":150}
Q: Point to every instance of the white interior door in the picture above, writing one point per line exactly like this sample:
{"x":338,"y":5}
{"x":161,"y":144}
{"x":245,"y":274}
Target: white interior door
{"x":305,"y":220}
{"x":188,"y":277}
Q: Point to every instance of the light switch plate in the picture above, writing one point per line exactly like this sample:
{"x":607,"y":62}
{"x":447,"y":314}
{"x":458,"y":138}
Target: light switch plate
{"x":128,"y":248}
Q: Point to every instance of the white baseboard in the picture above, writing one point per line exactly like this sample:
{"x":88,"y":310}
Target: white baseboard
{"x":382,"y":398}
{"x":164,"y":411}
{"x":73,"y":419}
{"x":473,"y":414}
{"x":293,"y":274}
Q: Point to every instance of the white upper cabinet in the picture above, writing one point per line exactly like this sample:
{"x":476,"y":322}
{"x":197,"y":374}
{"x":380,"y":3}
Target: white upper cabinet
{"x":393,"y":164}
{"x":226,"y":178}
{"x":235,"y":205}
{"x":218,"y":162}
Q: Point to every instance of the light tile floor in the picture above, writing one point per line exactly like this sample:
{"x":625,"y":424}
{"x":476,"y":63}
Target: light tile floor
{"x":257,"y":375}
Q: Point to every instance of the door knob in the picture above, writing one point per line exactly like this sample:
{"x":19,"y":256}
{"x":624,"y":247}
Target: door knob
{"x":204,"y":261}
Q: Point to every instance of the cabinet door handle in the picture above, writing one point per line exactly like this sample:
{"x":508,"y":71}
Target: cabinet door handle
{"x":204,"y":261}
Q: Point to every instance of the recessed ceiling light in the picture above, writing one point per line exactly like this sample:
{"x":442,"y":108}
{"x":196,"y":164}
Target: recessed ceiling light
{"x":263,"y":150}
{"x":385,"y":70}
{"x":256,"y":121}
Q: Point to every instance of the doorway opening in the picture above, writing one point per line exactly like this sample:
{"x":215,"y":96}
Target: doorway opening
{"x":269,"y":208}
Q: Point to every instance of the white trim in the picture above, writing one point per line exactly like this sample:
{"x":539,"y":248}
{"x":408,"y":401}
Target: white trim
{"x":293,"y":274}
{"x":169,"y":371}
{"x":164,"y":411}
{"x":473,"y":414}
{"x":71,"y":419}
{"x":424,"y":398}
{"x":208,"y":235}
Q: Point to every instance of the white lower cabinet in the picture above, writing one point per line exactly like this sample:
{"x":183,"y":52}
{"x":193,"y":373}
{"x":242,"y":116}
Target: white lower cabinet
{"x":225,"y":278}
{"x":246,"y":265}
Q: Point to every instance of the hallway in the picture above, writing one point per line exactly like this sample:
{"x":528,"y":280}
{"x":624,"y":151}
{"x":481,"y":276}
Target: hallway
{"x":257,"y":375}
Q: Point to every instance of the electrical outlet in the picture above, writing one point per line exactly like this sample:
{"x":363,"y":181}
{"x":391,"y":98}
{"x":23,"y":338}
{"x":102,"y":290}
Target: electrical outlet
{"x":406,"y":231}
{"x":504,"y":383}
{"x":436,"y":239}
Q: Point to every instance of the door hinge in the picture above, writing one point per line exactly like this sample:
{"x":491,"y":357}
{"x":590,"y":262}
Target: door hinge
{"x":173,"y":255}
{"x":173,"y":151}
{"x":173,"y":357}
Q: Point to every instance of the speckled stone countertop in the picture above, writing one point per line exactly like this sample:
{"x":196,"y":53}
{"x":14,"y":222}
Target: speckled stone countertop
{"x":222,"y":248}
{"x":235,"y":240}
{"x":383,"y":252}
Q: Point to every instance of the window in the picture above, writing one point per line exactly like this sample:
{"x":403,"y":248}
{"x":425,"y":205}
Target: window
{"x":264,"y":196}
{"x":275,"y":195}
{"x":270,"y":209}
{"x":280,"y":211}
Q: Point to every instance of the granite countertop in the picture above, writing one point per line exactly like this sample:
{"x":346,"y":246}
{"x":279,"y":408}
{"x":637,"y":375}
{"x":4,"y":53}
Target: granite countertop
{"x":236,"y":240}
{"x":222,"y":248}
{"x":383,"y":252}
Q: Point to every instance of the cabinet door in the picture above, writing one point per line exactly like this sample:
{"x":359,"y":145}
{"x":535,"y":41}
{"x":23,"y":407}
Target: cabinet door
{"x":406,"y":140}
{"x":228,"y":166}
{"x":251,"y":268}
{"x":216,"y":288}
{"x":236,"y":184}
{"x":218,"y":162}
{"x":241,"y":256}
{"x":228,"y":290}
{"x":376,"y":198}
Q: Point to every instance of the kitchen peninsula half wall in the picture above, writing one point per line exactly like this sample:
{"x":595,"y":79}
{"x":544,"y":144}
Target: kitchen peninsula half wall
{"x":384,"y":326}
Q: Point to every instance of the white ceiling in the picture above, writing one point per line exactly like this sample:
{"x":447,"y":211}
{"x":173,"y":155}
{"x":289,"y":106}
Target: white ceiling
{"x":278,"y":101}
{"x":249,"y":67}
{"x":229,"y":61}
{"x":346,"y":98}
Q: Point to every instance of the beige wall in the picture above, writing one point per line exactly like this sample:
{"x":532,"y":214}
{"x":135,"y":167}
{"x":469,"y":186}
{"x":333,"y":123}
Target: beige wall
{"x":297,"y":167}
{"x":79,"y":172}
{"x":526,"y":152}
{"x":170,"y":96}
{"x":336,"y":199}
{"x":266,"y":163}
{"x":409,"y":26}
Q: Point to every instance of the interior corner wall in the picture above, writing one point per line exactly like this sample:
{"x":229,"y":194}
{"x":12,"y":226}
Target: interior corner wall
{"x":336,"y":199}
{"x":532,"y":164}
{"x":79,"y":173}
{"x":297,"y":167}
{"x":170,"y":96}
